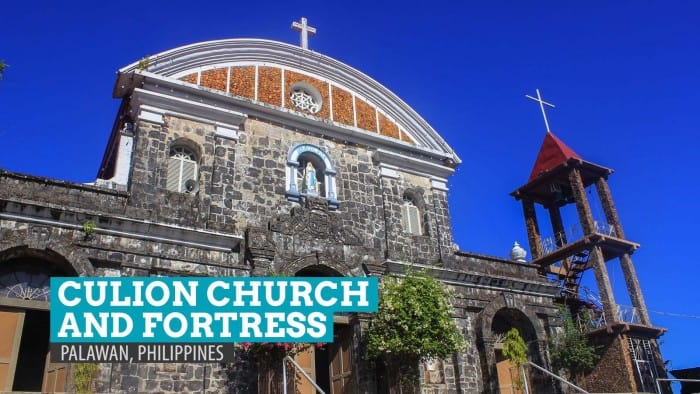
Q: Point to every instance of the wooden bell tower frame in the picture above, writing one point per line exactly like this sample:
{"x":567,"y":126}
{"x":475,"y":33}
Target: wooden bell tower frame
{"x":559,"y":178}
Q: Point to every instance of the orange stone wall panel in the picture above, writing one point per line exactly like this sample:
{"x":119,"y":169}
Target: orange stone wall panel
{"x":406,"y":138}
{"x":366,"y":115}
{"x":215,"y":79}
{"x":387,"y":127}
{"x":342,"y":106}
{"x":242,"y":81}
{"x":191,"y":78}
{"x":270,"y":85}
{"x":290,"y":78}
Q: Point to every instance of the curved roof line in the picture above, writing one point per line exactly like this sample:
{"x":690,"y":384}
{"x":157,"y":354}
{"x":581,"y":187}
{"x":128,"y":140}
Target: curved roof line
{"x":209,"y":53}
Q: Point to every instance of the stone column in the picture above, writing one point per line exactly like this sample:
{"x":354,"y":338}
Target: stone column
{"x":533,"y":229}
{"x":559,"y":232}
{"x":606,"y":201}
{"x":628,"y":270}
{"x":557,"y":226}
{"x":262,"y":250}
{"x":596,"y":256}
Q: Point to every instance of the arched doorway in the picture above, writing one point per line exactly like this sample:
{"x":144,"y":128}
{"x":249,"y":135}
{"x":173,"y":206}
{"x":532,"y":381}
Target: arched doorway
{"x":509,"y":376}
{"x":24,"y":323}
{"x":331,"y":366}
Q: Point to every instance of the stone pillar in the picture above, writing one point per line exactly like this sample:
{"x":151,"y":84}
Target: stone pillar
{"x":607,"y":298}
{"x":557,"y":225}
{"x":533,"y":229}
{"x":606,"y":201}
{"x":262,"y":250}
{"x":596,"y":256}
{"x":628,"y":270}
{"x":634,"y":290}
{"x":582,"y":206}
{"x":559,"y":232}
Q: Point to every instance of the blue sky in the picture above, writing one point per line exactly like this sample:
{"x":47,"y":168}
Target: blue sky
{"x":624,"y":78}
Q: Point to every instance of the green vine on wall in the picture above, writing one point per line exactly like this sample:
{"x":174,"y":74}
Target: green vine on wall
{"x":515,"y":350}
{"x":571,"y":351}
{"x":414,"y":323}
{"x":85,"y":377}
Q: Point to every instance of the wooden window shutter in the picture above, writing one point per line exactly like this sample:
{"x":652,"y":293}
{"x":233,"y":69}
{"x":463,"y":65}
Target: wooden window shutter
{"x":413,"y":220}
{"x":189,"y":172}
{"x":174,"y":168}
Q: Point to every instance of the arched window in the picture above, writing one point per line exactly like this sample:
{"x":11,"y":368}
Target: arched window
{"x":411,"y":216}
{"x":182,"y":170}
{"x":310,"y":172}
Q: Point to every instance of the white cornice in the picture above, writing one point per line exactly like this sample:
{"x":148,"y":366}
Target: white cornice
{"x":147,"y":104}
{"x":414,"y":165}
{"x":257,"y":51}
{"x":206,"y":105}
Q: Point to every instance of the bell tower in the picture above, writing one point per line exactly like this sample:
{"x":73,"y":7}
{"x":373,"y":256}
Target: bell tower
{"x":558,"y":184}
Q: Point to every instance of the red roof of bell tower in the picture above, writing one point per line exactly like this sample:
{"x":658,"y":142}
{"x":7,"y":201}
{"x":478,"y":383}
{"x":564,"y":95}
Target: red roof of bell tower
{"x":552,"y":153}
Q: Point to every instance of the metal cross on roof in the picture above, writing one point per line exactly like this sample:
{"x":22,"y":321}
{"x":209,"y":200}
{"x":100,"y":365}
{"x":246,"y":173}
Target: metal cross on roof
{"x":542,"y":104}
{"x":305,"y":30}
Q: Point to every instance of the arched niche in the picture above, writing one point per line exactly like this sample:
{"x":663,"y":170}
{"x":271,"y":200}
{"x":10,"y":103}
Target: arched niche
{"x":301,"y":160}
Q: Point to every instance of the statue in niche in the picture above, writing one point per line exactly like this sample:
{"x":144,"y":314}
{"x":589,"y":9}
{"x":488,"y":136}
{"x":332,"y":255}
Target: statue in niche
{"x":433,"y":371}
{"x":310,"y":184}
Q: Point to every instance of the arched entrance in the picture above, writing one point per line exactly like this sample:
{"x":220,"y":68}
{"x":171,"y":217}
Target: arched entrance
{"x":24,"y":321}
{"x":331,"y":366}
{"x":509,"y":376}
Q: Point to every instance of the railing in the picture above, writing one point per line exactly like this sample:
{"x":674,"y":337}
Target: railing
{"x":298,"y":368}
{"x":574,"y":233}
{"x":658,"y":386}
{"x":625,"y":314}
{"x":557,"y":377}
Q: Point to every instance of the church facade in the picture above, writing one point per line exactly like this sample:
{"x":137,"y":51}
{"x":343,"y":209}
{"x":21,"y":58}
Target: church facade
{"x":250,"y":157}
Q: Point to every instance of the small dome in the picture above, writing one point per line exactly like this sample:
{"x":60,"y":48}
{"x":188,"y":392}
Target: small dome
{"x":518,"y":254}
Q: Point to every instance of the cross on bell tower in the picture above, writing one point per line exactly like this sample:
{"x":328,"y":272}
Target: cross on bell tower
{"x":542,"y":104}
{"x":305,"y":31}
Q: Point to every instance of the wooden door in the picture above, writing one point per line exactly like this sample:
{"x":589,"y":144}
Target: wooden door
{"x":11,"y":323}
{"x":340,"y":369}
{"x":508,"y":375}
{"x":307,"y":361}
{"x":54,"y":376}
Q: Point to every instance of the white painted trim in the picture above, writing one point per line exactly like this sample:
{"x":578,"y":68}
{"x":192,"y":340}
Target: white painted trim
{"x":413,"y":165}
{"x":330,"y":101}
{"x":257,"y":73}
{"x":228,"y":80}
{"x":282,"y":72}
{"x":227,"y":133}
{"x":354,"y":111}
{"x":438,"y":185}
{"x":388,"y":172}
{"x":210,"y":107}
{"x":151,"y":117}
{"x":154,"y":102}
{"x":235,"y":51}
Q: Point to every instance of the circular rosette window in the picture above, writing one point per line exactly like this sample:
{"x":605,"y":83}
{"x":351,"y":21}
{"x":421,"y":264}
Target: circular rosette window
{"x":306,"y":97}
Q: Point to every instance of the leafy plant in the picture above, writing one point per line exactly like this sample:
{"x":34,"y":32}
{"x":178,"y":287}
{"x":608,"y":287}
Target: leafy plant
{"x":88,"y":228}
{"x":144,"y":63}
{"x":515,"y":350}
{"x":85,"y":377}
{"x":571,"y":350}
{"x":413,"y":324}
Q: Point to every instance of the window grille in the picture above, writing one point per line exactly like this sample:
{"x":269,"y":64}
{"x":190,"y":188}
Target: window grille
{"x":410,"y":217}
{"x":182,"y":170}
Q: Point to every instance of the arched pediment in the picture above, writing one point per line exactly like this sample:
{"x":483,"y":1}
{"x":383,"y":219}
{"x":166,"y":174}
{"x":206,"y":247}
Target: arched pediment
{"x":266,"y":72}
